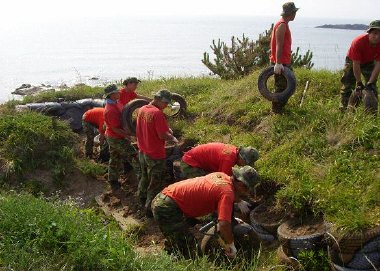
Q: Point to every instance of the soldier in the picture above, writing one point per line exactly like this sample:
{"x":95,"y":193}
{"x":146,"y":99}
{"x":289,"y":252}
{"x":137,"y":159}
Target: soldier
{"x":281,"y":50}
{"x":198,"y":197}
{"x":128,"y":92}
{"x":120,"y":147}
{"x":93,"y":119}
{"x":363,"y":57}
{"x":152,"y":131}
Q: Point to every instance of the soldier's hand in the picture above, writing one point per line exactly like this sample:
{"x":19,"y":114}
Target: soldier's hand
{"x":359,"y":88}
{"x":278,"y":68}
{"x":231,"y":250}
{"x":244,"y":207}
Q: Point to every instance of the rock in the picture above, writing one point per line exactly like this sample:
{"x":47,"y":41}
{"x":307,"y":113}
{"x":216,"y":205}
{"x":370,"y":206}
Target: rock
{"x":27,"y":89}
{"x":344,"y":26}
{"x":115,"y":202}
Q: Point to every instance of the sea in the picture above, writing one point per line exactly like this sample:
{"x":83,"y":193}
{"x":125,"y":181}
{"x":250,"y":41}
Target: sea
{"x":97,"y":51}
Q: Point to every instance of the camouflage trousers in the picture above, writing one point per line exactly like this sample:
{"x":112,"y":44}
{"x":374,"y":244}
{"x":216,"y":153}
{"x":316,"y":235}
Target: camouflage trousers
{"x":90,"y":130}
{"x":183,"y":171}
{"x":121,"y":150}
{"x":348,"y":80}
{"x":174,"y":226}
{"x":280,"y":85}
{"x":153,"y":173}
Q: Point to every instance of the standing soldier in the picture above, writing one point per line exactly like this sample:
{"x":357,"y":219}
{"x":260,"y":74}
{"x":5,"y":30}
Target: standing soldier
{"x":281,"y":50}
{"x":198,"y":197}
{"x":93,"y":119}
{"x":152,"y":131}
{"x":118,"y":139}
{"x":128,"y":92}
{"x":363,"y":57}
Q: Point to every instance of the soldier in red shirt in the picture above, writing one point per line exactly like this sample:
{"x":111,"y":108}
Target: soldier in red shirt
{"x":128,"y":92}
{"x":281,"y":50}
{"x":120,"y":147}
{"x":152,"y":131}
{"x":363,"y":57}
{"x":93,"y":119}
{"x":198,"y":197}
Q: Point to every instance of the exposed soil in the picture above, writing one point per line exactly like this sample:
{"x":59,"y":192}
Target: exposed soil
{"x":270,"y":213}
{"x":307,"y":226}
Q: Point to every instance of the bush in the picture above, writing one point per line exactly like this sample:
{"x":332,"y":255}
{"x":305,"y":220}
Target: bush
{"x":245,"y":55}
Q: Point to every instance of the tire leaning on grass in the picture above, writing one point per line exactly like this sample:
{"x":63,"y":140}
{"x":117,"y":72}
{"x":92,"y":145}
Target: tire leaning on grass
{"x":277,"y":96}
{"x":127,"y":119}
{"x":177,"y":107}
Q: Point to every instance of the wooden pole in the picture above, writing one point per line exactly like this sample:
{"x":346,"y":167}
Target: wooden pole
{"x":304,"y":93}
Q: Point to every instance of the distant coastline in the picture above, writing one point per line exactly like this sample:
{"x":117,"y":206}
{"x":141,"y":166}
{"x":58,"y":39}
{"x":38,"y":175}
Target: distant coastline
{"x":344,"y":26}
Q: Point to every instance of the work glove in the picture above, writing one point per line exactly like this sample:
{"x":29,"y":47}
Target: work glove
{"x":359,"y":88}
{"x":244,"y":206}
{"x":370,"y":86}
{"x":278,"y":68}
{"x":231,"y":250}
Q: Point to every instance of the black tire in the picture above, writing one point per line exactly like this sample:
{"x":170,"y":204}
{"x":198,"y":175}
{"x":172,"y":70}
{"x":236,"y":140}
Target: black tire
{"x":279,"y":96}
{"x":341,"y":268}
{"x":73,"y":115}
{"x":370,"y":101}
{"x":289,"y":261}
{"x":293,"y":245}
{"x":270,"y":228}
{"x":127,"y":119}
{"x":177,"y":108}
{"x":365,"y":260}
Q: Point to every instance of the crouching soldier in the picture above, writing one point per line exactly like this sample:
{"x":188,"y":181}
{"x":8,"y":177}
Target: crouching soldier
{"x":216,"y":157}
{"x":120,"y":147}
{"x":215,"y":192}
{"x":363,"y":57}
{"x":93,"y":119}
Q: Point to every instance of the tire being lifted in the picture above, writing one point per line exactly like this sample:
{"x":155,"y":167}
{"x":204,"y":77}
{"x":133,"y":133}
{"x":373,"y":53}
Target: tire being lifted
{"x":277,"y":96}
{"x":176,"y":108}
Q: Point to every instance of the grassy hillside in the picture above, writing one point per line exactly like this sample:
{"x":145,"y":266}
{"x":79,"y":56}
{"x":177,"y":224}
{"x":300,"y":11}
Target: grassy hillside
{"x":327,"y":161}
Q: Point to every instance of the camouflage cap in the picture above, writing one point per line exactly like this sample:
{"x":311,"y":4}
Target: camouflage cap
{"x":131,"y":80}
{"x":288,"y":9}
{"x":374,"y":25}
{"x":164,"y":95}
{"x":248,"y":154}
{"x":247,"y":175}
{"x":109,"y":90}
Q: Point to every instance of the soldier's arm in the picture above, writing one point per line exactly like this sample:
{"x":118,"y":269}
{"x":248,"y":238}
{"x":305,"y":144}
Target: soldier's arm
{"x":280,"y":37}
{"x":375,"y":73}
{"x":357,"y":71}
{"x":225,"y":229}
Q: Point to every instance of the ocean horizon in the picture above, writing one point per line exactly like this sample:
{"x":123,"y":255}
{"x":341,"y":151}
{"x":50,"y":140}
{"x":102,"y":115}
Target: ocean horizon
{"x":109,"y":49}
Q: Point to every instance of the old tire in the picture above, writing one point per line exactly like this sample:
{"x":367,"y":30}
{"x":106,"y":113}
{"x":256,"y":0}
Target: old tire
{"x":177,"y":107}
{"x":370,"y":101}
{"x":344,"y":250}
{"x":341,"y":268}
{"x":128,"y":119}
{"x":293,"y":245}
{"x":279,"y":96}
{"x":289,"y":261}
{"x":269,"y":228}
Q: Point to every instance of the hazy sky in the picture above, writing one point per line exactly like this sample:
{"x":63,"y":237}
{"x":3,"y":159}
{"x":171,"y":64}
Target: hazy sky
{"x":16,"y":10}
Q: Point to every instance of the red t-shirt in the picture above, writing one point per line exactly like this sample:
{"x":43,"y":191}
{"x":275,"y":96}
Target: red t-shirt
{"x":126,"y":96}
{"x":204,"y":195}
{"x":286,"y":57}
{"x":95,"y":116}
{"x":361,"y":50}
{"x":212,"y":157}
{"x":151,"y":123}
{"x":112,"y":118}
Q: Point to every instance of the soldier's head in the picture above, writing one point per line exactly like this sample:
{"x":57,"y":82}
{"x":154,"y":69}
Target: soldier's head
{"x":245,"y":179}
{"x":111,"y":92}
{"x":131,"y":83}
{"x":374,"y":32}
{"x":289,"y":11}
{"x":247,"y":156}
{"x":162,"y":98}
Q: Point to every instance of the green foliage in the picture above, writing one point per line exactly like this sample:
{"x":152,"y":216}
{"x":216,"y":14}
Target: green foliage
{"x":244,"y":56}
{"x":90,"y":168}
{"x":29,"y":141}
{"x":314,"y":260}
{"x":40,"y":235}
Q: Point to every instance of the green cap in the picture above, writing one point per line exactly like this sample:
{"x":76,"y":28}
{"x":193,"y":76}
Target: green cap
{"x":131,"y":80}
{"x":288,"y":9}
{"x":249,"y":154}
{"x":374,"y":25}
{"x":247,"y":175}
{"x":109,"y":90}
{"x":164,"y":95}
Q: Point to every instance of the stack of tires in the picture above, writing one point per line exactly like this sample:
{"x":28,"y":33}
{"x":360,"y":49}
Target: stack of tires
{"x":357,"y":251}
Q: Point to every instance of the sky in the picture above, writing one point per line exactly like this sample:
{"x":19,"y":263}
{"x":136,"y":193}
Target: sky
{"x":29,"y":10}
